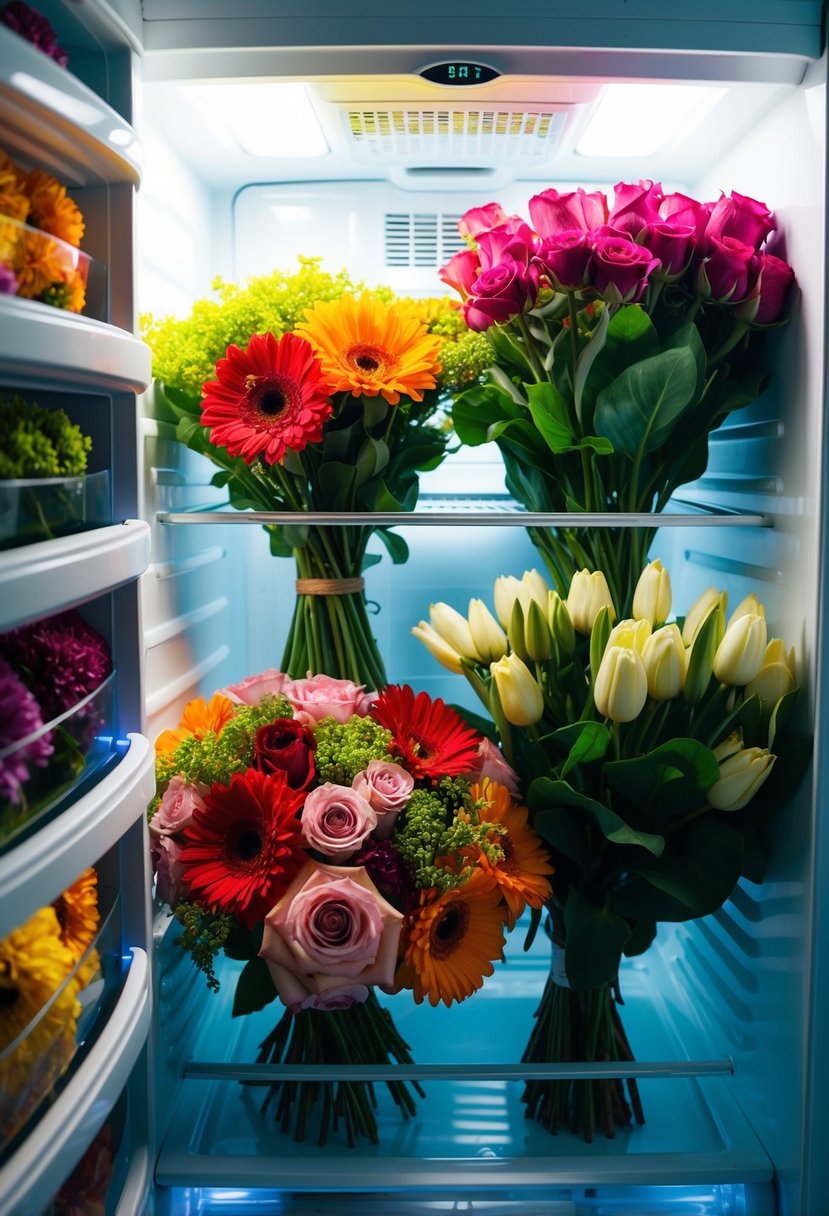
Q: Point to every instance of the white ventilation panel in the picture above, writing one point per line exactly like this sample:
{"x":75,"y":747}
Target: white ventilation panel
{"x":467,"y":134}
{"x":415,"y":239}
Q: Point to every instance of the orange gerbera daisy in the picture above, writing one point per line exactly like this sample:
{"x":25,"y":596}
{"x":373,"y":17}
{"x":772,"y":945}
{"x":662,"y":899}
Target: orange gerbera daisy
{"x":521,"y":872}
{"x":199,"y":717}
{"x":39,"y":263}
{"x":452,"y":940}
{"x":79,"y":918}
{"x":369,"y":347}
{"x":268,"y":399}
{"x":52,"y":210}
{"x":14,"y":201}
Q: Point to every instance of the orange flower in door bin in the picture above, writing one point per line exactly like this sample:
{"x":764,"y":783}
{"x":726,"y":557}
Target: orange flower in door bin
{"x":198,"y":719}
{"x":369,"y":347}
{"x":268,"y":399}
{"x":52,"y":210}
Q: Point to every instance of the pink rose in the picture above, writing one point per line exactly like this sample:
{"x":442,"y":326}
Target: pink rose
{"x":773,"y":279}
{"x":493,"y":765}
{"x":336,"y":998}
{"x":386,"y":787}
{"x":619,"y":268}
{"x":165,"y":852}
{"x":321,"y":697}
{"x":253,"y":689}
{"x":724,"y":274}
{"x":481,"y":219}
{"x":740,"y":217}
{"x":461,"y":271}
{"x":563,"y":258}
{"x":682,"y":209}
{"x":552,"y":212}
{"x":635,"y":207}
{"x":672,"y":244}
{"x":336,"y":820}
{"x":175,"y":811}
{"x":331,"y":931}
{"x":503,"y":292}
{"x":506,"y":244}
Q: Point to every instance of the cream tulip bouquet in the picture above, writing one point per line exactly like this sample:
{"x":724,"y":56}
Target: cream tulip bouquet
{"x":651,"y":754}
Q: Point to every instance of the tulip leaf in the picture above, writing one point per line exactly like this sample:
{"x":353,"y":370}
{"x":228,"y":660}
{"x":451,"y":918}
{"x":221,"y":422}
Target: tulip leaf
{"x":641,"y":937}
{"x":595,"y":938}
{"x":587,"y":358}
{"x":699,"y":869}
{"x":479,"y":408}
{"x":254,"y":988}
{"x":670,"y":780}
{"x":582,"y":741}
{"x":547,"y":794}
{"x":565,"y":831}
{"x":640,"y":408}
{"x":780,"y":713}
{"x":334,"y":485}
{"x":397,"y":548}
{"x":296,"y":535}
{"x":599,"y":637}
{"x":701,"y":658}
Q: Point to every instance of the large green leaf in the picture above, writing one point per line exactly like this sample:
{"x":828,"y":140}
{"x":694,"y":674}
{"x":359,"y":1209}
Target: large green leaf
{"x":565,"y":831}
{"x":547,"y":794}
{"x":395,"y":544}
{"x":549,"y":412}
{"x":334,"y":485}
{"x":595,"y":938}
{"x":254,"y":988}
{"x":642,"y":405}
{"x":631,"y":337}
{"x":582,"y":742}
{"x":698,"y":871}
{"x":385,"y":500}
{"x":480,"y":408}
{"x":668,"y":781}
{"x":372,"y":458}
{"x":687,"y":336}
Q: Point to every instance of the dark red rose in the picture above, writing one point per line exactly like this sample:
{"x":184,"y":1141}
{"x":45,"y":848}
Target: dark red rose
{"x":286,"y":746}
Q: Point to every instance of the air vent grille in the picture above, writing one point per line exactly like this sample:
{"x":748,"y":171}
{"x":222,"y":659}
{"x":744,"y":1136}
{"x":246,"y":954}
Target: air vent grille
{"x":511,"y":134}
{"x":421,"y":238}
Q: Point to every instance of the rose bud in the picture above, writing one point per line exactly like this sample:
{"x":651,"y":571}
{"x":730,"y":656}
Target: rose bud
{"x":521,"y":698}
{"x":739,"y":655}
{"x":336,"y":820}
{"x":652,"y":597}
{"x":286,"y":745}
{"x":386,"y":787}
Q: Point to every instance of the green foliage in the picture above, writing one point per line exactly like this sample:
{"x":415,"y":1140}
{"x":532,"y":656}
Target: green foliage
{"x":214,"y":759}
{"x":345,"y":748}
{"x":204,"y":934}
{"x":436,"y":832}
{"x":37,"y":441}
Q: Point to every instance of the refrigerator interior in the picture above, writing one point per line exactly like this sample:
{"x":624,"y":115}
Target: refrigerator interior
{"x":738,"y":990}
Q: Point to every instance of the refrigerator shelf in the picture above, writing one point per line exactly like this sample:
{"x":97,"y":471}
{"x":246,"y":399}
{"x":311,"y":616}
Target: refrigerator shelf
{"x":48,"y":576}
{"x":30,"y":1178}
{"x":46,"y":345}
{"x":38,"y":869}
{"x":46,"y":106}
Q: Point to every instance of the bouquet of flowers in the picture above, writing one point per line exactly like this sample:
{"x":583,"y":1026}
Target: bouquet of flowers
{"x":45,"y":965}
{"x":648,"y":751}
{"x":32,"y":25}
{"x":311,"y":394}
{"x":40,"y":234}
{"x":338,"y":841}
{"x":622,"y":334}
{"x":52,"y":673}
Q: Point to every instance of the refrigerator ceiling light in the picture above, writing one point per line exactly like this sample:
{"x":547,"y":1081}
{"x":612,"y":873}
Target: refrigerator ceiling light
{"x":266,"y":120}
{"x":640,"y":119}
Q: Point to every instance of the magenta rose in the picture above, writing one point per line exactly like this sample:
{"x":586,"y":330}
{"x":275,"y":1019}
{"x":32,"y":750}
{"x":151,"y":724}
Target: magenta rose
{"x":503,"y":292}
{"x":165,"y":853}
{"x":724,"y":274}
{"x":635,"y":207}
{"x":321,"y":697}
{"x":682,"y":209}
{"x":286,"y":746}
{"x":506,"y":244}
{"x":619,"y":268}
{"x":253,"y":689}
{"x":740,"y":217}
{"x":492,"y":764}
{"x":481,"y":219}
{"x":552,"y":212}
{"x":461,"y":271}
{"x":772,"y":281}
{"x":386,"y":787}
{"x":563,"y":259}
{"x":331,"y":932}
{"x":673,"y":244}
{"x":336,"y":820}
{"x":178,"y":802}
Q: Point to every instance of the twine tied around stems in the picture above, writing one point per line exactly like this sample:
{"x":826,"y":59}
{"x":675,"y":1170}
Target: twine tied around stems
{"x":329,"y":586}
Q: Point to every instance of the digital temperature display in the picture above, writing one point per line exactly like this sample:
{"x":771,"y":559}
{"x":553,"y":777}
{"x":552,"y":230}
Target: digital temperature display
{"x":460,"y":72}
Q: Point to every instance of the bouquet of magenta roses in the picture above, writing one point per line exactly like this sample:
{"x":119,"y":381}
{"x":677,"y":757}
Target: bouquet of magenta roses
{"x":623,"y":332}
{"x":651,"y":752}
{"x":339,"y":841}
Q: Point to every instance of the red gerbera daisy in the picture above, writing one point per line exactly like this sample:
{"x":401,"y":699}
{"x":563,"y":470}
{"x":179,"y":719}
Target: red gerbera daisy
{"x":244,"y":849}
{"x":432,"y":740}
{"x":269,"y":398}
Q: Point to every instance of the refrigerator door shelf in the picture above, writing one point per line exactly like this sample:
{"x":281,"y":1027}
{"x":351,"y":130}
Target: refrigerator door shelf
{"x":31,"y":1177}
{"x":51,"y":575}
{"x":44,"y":106}
{"x":35,"y":873}
{"x":44,"y":346}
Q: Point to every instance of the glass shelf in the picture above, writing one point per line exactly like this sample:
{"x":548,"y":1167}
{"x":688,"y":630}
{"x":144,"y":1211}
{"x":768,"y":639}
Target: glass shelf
{"x":485,"y":510}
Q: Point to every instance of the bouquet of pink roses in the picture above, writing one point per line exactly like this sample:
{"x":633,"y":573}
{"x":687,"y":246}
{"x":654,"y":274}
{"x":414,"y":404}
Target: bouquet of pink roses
{"x":338,"y":841}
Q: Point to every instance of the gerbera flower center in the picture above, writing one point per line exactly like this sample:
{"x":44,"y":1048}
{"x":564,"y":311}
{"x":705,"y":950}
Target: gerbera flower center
{"x":371,"y":360}
{"x":448,"y":930}
{"x":244,"y":845}
{"x":267,"y":395}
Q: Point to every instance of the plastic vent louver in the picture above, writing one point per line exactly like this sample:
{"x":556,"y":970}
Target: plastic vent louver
{"x":450,"y":135}
{"x":421,"y":238}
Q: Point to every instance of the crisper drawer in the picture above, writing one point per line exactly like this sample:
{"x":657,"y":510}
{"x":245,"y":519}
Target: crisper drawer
{"x":469,"y":1138}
